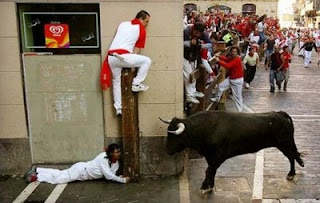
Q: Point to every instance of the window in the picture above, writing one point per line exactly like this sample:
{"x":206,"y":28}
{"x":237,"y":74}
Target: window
{"x":60,"y":28}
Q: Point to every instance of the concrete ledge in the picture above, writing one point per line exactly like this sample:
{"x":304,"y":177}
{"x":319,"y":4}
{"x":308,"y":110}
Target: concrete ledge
{"x":15,"y":156}
{"x":154,"y":159}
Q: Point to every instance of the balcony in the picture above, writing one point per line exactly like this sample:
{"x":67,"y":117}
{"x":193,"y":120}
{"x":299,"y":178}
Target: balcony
{"x":309,"y":6}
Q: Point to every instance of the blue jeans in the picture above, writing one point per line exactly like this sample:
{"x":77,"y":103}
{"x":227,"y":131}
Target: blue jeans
{"x":268,"y":53}
{"x":272,"y":77}
{"x":262,"y":38}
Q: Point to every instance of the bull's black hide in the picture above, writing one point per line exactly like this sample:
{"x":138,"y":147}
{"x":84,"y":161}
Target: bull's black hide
{"x":220,"y":135}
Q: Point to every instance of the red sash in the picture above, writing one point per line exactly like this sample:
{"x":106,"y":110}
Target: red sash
{"x":106,"y":74}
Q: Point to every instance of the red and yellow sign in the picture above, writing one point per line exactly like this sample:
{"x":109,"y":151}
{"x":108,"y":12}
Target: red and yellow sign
{"x":57,"y":35}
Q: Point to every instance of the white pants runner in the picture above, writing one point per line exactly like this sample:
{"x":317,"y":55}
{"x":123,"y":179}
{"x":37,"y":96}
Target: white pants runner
{"x":188,"y":68}
{"x":56,"y":176}
{"x":236,"y":87}
{"x":130,"y":61}
{"x":307,"y":57}
{"x":301,"y":51}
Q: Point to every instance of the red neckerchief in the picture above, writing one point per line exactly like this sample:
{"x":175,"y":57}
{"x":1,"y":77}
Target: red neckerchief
{"x":142,"y":35}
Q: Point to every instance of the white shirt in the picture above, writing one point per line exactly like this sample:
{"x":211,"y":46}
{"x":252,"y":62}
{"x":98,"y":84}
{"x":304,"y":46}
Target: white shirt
{"x":126,"y":36}
{"x":251,"y":61}
{"x":260,"y":27}
{"x":99,"y":167}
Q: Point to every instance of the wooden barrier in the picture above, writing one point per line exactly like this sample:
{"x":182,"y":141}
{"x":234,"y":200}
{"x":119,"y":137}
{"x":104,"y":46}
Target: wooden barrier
{"x":130,"y":126}
{"x":221,"y":46}
{"x":200,"y":75}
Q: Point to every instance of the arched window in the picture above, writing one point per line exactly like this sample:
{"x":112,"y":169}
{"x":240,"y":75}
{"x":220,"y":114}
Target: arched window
{"x":248,"y":9}
{"x":190,"y":7}
{"x":225,"y":9}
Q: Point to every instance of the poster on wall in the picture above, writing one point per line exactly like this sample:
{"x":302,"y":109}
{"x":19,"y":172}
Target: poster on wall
{"x":56,"y":35}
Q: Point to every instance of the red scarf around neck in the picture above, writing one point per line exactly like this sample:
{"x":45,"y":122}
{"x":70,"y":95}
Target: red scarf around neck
{"x":142,"y":35}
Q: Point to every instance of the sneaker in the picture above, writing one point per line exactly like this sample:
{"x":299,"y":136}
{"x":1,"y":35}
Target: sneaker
{"x":214,"y":99}
{"x":192,"y":100}
{"x":32,"y":170}
{"x":247,"y":85}
{"x":198,"y":94}
{"x":32,"y":177}
{"x":118,"y":112}
{"x":139,"y":88}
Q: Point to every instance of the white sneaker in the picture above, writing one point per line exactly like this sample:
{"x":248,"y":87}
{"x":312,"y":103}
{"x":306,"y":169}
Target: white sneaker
{"x":198,"y":94}
{"x":214,"y":99}
{"x":139,"y":88}
{"x":247,"y":85}
{"x":192,"y":100}
{"x":118,"y":112}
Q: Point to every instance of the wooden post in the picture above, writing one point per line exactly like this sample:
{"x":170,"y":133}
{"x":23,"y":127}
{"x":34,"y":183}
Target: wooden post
{"x":130,"y":126}
{"x":221,"y":105}
{"x":201,"y":87}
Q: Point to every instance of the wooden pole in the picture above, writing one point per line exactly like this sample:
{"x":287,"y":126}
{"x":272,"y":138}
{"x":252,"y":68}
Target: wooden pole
{"x":201,"y":87}
{"x":130,"y":126}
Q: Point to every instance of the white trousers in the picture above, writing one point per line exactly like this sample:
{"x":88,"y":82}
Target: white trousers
{"x":188,"y":68}
{"x":301,"y":51}
{"x":130,"y":61}
{"x":56,"y":176}
{"x":307,"y":57}
{"x":236,"y":87}
{"x":206,"y":65}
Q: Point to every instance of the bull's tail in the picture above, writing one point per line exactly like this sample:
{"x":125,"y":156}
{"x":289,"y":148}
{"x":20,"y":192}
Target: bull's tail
{"x":298,"y":156}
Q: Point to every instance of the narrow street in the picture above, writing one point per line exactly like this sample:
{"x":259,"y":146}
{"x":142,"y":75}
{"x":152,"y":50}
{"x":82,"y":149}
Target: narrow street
{"x":260,"y":176}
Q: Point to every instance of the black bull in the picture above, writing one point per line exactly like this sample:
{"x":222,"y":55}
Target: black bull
{"x":220,"y":135}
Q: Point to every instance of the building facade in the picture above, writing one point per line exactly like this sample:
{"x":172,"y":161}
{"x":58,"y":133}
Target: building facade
{"x":258,"y":7}
{"x":310,"y":13}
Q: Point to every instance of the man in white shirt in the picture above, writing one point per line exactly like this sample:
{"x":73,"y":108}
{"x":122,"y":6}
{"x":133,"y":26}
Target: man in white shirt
{"x":250,"y":61}
{"x":105,"y":165}
{"x":124,"y":53}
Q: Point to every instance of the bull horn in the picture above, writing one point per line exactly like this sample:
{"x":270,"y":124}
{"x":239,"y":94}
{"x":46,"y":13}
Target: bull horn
{"x":165,"y":121}
{"x":180,"y":129}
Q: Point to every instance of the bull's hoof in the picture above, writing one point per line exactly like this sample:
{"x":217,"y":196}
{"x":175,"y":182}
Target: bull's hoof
{"x":290,"y":177}
{"x":206,"y":191}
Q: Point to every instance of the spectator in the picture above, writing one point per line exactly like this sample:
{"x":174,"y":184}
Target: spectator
{"x":195,"y":40}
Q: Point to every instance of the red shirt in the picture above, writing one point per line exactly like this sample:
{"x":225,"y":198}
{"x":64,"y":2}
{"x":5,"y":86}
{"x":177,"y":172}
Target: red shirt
{"x":234,"y":66}
{"x":286,"y":57}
